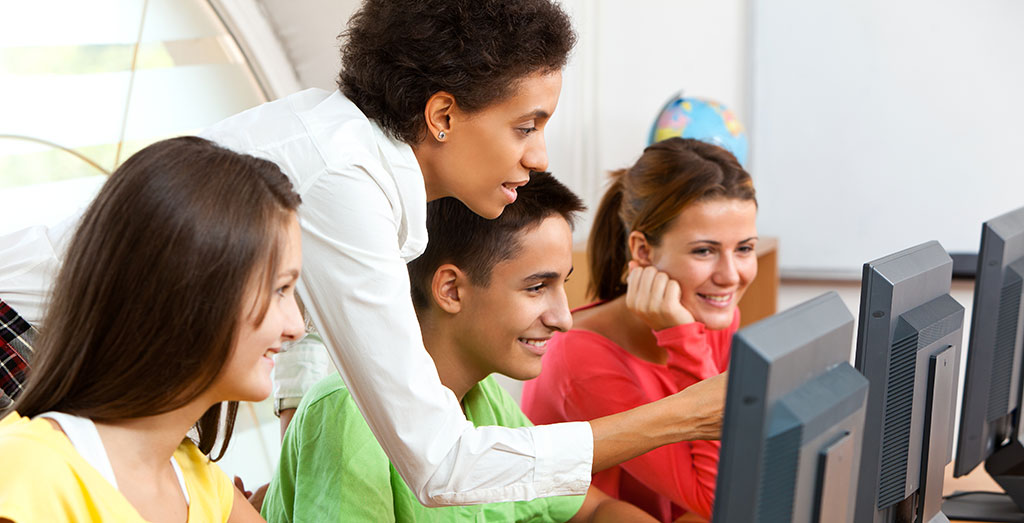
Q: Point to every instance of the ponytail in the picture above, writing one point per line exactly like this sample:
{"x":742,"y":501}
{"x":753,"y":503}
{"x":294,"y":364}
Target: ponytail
{"x":607,"y":249}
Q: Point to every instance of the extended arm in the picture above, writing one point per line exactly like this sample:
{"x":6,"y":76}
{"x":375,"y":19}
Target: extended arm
{"x":356,"y":288}
{"x":599,"y":383}
{"x":677,"y":469}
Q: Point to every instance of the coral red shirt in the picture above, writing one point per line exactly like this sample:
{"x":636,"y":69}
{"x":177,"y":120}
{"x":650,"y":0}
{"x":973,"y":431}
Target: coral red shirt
{"x":587,"y":376}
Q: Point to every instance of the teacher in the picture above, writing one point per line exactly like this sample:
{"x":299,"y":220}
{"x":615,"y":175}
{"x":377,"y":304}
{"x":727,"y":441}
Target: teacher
{"x":436,"y":98}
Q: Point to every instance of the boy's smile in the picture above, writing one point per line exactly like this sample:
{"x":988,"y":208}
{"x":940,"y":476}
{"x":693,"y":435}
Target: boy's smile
{"x":505,"y":325}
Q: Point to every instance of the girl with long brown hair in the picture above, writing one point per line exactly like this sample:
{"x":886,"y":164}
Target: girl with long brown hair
{"x":680,"y":224}
{"x":175,"y":292}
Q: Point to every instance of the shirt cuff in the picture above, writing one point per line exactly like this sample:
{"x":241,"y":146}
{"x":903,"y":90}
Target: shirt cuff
{"x":565,"y":458}
{"x":680,"y":333}
{"x":282,"y":404}
{"x":300,"y":367}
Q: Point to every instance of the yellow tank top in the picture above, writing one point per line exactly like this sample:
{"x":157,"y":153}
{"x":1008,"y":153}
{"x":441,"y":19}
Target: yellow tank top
{"x":45,"y":479}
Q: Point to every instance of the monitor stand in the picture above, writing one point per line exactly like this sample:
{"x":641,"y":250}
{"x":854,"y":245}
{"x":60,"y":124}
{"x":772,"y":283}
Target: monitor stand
{"x":942,"y":377}
{"x":1006,"y":466}
{"x":983,"y":506}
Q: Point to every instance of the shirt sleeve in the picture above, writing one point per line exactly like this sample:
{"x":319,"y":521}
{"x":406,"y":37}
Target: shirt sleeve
{"x":694,"y":353}
{"x":38,"y":483}
{"x":224,"y":488}
{"x":356,"y":288}
{"x":601,"y":384}
{"x":331,"y":467}
{"x":29,"y":262}
{"x":24,"y":496}
{"x":298,"y":368}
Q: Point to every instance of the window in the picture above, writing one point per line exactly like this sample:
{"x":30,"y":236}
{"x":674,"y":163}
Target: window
{"x":84,"y":84}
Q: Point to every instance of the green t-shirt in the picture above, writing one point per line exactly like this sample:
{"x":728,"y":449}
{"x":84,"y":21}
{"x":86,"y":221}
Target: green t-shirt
{"x":333,"y":469}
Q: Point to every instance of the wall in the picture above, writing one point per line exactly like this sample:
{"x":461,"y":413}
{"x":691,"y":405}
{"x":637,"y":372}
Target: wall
{"x":879,"y":125}
{"x":308,"y":31}
{"x":793,"y":292}
{"x":631,"y":58}
{"x":873,"y":125}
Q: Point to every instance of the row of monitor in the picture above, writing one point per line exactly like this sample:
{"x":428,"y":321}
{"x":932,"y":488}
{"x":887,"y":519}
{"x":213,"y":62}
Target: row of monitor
{"x":809,"y":438}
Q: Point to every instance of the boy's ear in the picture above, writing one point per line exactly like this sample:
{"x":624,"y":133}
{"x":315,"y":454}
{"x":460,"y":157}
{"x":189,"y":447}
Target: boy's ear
{"x":447,"y":286}
{"x":639,"y":248}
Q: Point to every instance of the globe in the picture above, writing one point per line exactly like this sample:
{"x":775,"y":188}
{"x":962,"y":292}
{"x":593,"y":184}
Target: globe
{"x":702,"y":119}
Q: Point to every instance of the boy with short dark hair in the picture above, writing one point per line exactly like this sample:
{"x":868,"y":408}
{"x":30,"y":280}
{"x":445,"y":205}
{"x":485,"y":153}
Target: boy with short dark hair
{"x":488,"y":295}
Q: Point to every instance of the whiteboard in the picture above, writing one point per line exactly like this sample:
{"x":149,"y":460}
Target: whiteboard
{"x":878,"y":125}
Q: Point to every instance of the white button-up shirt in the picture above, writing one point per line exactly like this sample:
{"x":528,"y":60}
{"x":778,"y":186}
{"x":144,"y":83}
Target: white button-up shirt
{"x":29,"y":261}
{"x":363,"y":216}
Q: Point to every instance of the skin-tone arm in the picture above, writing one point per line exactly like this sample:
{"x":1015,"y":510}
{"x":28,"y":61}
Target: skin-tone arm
{"x":286,"y":418}
{"x":242,"y":511}
{"x":600,"y":507}
{"x":690,"y":517}
{"x":255,"y":498}
{"x":692,"y":414}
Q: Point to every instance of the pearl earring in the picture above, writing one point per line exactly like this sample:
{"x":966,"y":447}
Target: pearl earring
{"x":441,"y":135}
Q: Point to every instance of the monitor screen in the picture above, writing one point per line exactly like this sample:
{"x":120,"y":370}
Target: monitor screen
{"x":908,"y":346}
{"x":990,"y":416}
{"x":791,"y":436}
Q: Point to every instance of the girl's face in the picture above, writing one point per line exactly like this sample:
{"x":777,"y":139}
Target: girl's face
{"x":246,"y":374}
{"x":488,"y":153}
{"x":709,"y":250}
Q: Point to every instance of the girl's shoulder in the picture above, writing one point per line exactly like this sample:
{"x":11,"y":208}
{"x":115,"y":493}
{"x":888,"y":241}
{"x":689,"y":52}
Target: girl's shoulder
{"x":210,"y":490}
{"x":595,"y":321}
{"x":35,"y":440}
{"x":45,"y":479}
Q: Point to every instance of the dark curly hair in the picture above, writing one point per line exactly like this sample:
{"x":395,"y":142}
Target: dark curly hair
{"x":396,"y":54}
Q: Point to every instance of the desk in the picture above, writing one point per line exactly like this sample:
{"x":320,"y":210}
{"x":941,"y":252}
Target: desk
{"x":977,"y":480}
{"x":760,"y":301}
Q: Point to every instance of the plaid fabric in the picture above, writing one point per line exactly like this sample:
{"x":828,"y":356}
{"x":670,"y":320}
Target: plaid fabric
{"x":16,"y":337}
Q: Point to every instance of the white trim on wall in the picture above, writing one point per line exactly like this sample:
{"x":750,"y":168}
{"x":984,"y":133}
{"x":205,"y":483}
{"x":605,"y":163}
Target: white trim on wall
{"x":247,"y":22}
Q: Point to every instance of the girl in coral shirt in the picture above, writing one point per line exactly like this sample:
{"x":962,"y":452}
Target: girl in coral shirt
{"x":680,"y":224}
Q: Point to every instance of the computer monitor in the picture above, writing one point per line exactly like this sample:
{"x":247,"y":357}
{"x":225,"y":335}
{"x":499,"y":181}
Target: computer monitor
{"x":791,"y":436}
{"x":990,"y":420}
{"x":908,"y":346}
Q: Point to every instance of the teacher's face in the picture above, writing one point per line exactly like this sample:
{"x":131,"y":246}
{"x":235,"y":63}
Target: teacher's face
{"x":488,"y":153}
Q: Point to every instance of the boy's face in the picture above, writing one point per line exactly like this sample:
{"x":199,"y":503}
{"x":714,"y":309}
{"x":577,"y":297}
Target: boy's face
{"x":504,"y":326}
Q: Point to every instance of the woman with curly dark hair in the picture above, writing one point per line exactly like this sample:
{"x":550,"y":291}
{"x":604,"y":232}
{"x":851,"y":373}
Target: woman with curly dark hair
{"x":436,"y":98}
